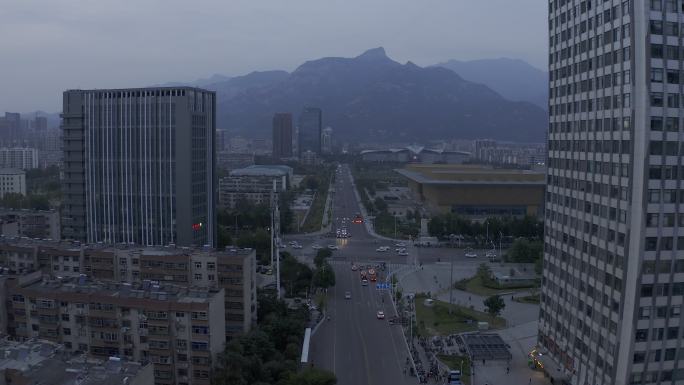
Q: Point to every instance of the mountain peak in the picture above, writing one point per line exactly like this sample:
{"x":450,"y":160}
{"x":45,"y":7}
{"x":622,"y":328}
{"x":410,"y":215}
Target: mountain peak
{"x":374,"y":53}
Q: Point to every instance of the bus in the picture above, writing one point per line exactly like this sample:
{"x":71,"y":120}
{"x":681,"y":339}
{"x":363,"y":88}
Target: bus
{"x":372,"y":275}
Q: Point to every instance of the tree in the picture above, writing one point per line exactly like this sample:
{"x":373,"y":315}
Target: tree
{"x":495,"y":305}
{"x":321,"y":256}
{"x":324,"y":277}
{"x":312,"y":376}
{"x":525,"y":251}
{"x":380,"y":204}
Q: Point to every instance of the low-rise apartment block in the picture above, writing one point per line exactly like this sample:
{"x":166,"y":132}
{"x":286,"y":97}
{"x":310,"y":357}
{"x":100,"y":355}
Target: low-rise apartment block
{"x":177,"y":329}
{"x":30,"y":223}
{"x":232,"y":269}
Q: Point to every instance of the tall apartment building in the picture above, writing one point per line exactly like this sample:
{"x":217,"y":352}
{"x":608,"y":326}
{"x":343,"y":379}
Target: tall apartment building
{"x":232,"y":269}
{"x":310,"y":130}
{"x":139,"y":166}
{"x":327,"y":141}
{"x":282,"y":135}
{"x":24,"y":158}
{"x":178,"y":330}
{"x":40,"y":123}
{"x":613,"y":280}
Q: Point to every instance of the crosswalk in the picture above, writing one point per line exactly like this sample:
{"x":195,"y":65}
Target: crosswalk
{"x":389,"y":266}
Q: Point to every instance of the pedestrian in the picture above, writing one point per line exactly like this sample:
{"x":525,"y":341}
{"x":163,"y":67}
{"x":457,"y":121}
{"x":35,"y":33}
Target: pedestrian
{"x":508,"y":370}
{"x":483,"y":362}
{"x":530,"y":380}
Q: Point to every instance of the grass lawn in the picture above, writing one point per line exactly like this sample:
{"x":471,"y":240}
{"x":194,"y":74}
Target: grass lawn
{"x":436,"y":320}
{"x":454,"y":363}
{"x":532,"y":299}
{"x":474,"y":285}
{"x":315,"y":218}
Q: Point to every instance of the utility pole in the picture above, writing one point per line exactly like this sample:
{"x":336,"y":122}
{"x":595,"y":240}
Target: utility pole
{"x":276,"y":231}
{"x":451,"y":285}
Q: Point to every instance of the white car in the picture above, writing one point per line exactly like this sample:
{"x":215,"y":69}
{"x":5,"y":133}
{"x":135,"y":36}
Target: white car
{"x":402,"y":253}
{"x":364,"y":282}
{"x":400,"y":244}
{"x":347,"y":295}
{"x":470,"y":254}
{"x":297,"y":246}
{"x":490,"y":254}
{"x":380,"y":314}
{"x":316,"y":247}
{"x":332,"y":247}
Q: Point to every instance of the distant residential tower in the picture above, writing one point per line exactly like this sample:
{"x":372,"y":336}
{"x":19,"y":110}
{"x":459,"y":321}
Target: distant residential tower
{"x":282,"y":135}
{"x":310,"y":130}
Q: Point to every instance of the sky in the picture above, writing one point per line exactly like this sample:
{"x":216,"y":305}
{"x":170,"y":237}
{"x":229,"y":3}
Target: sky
{"x":48,"y":46}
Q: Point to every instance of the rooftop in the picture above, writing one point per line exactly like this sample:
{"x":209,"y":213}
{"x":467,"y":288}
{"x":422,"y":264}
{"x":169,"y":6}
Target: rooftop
{"x":44,"y":362}
{"x":11,"y":171}
{"x":135,"y":249}
{"x":415,"y":150}
{"x":469,"y":175}
{"x":262,"y":170}
{"x":149,"y":290}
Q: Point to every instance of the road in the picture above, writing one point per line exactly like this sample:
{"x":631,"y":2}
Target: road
{"x":359,"y":348}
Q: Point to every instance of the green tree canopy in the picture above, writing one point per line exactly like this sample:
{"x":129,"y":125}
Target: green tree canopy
{"x":495,"y":305}
{"x":312,"y":376}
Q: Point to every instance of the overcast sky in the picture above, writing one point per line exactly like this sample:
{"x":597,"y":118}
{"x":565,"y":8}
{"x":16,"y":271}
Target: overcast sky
{"x":47,"y":46}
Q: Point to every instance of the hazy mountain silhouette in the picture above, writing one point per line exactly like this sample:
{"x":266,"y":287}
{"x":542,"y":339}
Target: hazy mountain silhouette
{"x":513,"y":79}
{"x":371,"y":96}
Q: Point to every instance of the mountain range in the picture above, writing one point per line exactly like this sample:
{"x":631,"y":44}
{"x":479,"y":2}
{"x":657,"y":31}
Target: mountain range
{"x":511,"y":78}
{"x":371,"y":97}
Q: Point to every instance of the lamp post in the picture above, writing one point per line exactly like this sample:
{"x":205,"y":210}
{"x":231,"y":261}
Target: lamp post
{"x":395,"y":227}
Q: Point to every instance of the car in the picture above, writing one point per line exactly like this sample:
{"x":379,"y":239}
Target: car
{"x":292,"y":242}
{"x":297,"y":246}
{"x":402,"y":253}
{"x":470,"y":253}
{"x":332,"y":247}
{"x":364,"y":282}
{"x":400,"y":244}
{"x":490,"y":254}
{"x":269,"y":271}
{"x":380,"y":314}
{"x":382,"y":249}
{"x":347,"y":295}
{"x":354,"y":267}
{"x":316,"y":247}
{"x":400,"y":249}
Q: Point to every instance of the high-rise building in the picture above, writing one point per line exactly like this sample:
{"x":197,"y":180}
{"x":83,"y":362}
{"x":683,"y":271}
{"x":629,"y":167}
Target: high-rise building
{"x":282,"y":135}
{"x":327,"y":140}
{"x":613,"y":277}
{"x":139,"y":166}
{"x":12,"y":127}
{"x":40,"y":123}
{"x":310,"y":130}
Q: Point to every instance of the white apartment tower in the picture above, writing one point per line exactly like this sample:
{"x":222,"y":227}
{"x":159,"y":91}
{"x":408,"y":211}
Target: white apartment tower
{"x":613,"y":281}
